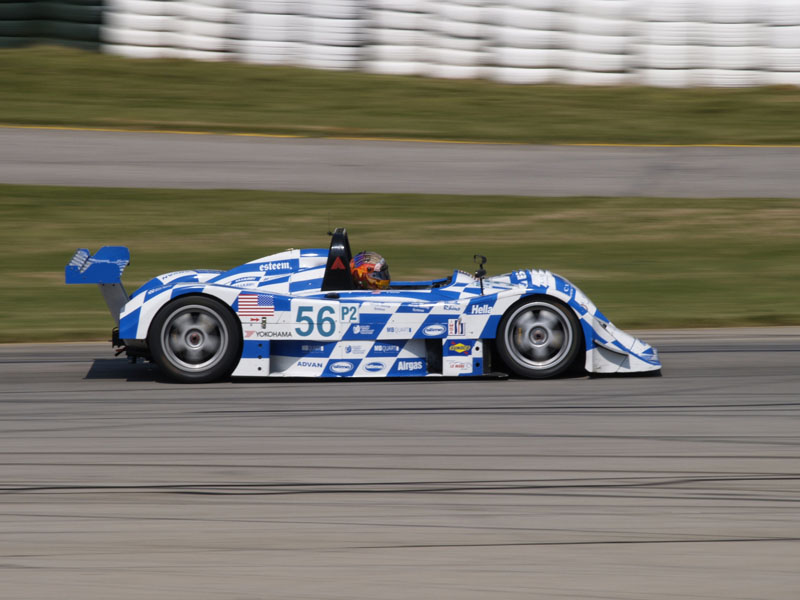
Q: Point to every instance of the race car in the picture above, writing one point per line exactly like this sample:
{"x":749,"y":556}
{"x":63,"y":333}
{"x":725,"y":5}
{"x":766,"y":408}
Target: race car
{"x":301,"y":313}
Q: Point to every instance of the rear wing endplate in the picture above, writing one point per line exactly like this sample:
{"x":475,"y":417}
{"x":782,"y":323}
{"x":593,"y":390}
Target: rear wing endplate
{"x":105,"y":269}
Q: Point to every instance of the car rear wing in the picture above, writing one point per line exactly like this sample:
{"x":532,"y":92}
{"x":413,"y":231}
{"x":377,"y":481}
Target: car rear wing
{"x":105,"y":269}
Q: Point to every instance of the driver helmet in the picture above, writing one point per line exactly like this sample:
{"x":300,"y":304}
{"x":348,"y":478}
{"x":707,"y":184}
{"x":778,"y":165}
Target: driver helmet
{"x":370,"y":271}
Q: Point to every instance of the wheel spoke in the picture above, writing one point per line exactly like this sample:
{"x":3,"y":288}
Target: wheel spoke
{"x":195,"y":356}
{"x":181,"y":324}
{"x":212,"y":344}
{"x":548,"y":320}
{"x":177,"y":342}
{"x":206,"y":323}
{"x":522,"y":328}
{"x":540,"y":353}
{"x":522,"y":341}
{"x":556,"y":340}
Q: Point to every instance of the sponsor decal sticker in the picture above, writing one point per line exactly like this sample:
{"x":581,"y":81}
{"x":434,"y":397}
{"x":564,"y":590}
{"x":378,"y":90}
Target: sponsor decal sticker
{"x":480,"y":309}
{"x":451,"y":307}
{"x":173,"y":276}
{"x":390,"y":349}
{"x":381,"y":307}
{"x":356,"y":349}
{"x":283,"y":265}
{"x":363,"y":330}
{"x":156,"y":290}
{"x":314,"y":364}
{"x":244,"y":282}
{"x":409,"y":365}
{"x":455,"y":327}
{"x":312,"y":348}
{"x":374,"y":366}
{"x":435,"y":329}
{"x":460,"y":348}
{"x":461,"y":367}
{"x":398,"y":329}
{"x":268,"y":334}
{"x":342,"y":366}
{"x":417,"y":307}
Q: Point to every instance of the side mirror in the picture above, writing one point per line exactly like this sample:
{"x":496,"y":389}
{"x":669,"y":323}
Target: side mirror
{"x":481,"y":272}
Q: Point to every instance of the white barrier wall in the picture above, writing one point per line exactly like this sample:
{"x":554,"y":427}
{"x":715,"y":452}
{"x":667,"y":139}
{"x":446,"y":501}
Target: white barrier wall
{"x":782,"y":42}
{"x":668,"y":43}
{"x":526,"y":41}
{"x":397,"y":37}
{"x":598,"y":42}
{"x":333,"y":34}
{"x":268,"y":32}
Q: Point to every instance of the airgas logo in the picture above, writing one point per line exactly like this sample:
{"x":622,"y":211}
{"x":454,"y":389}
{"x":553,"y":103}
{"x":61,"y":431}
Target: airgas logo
{"x":409,"y":365}
{"x":480,"y":309}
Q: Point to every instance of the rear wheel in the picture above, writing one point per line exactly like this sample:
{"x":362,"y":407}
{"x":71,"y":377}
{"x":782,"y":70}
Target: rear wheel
{"x":539,"y":337}
{"x":195,"y":339}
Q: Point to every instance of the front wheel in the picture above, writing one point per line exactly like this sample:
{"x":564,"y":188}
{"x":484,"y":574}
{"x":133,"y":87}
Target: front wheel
{"x":195,"y":339}
{"x":539,"y":337}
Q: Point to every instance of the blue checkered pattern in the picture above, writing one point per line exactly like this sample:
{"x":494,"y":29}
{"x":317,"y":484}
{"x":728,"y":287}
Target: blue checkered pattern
{"x":362,"y":333}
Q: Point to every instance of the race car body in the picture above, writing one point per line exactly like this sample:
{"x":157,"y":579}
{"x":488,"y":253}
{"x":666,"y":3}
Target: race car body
{"x":297,"y":314}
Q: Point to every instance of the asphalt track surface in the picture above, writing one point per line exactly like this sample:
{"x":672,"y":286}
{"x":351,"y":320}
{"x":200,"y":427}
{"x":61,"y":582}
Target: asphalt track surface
{"x":117,"y":484}
{"x":162,"y":160}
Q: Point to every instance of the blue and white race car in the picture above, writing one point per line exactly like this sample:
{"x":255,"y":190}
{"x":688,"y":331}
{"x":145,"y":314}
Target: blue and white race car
{"x":298,"y":314}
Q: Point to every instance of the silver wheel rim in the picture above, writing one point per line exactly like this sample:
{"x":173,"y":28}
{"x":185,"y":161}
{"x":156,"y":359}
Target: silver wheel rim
{"x":194,"y":338}
{"x":539,"y":335}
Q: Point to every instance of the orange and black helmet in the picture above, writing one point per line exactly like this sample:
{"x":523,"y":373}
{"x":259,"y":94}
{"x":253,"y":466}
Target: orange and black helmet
{"x":370,"y":271}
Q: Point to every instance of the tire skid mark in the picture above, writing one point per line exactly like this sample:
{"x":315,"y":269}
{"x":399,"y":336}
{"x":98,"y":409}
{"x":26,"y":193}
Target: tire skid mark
{"x":398,"y":487}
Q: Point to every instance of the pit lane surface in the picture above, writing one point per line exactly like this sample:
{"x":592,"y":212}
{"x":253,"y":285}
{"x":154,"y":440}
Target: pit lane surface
{"x":115,"y":484}
{"x":126,"y":159}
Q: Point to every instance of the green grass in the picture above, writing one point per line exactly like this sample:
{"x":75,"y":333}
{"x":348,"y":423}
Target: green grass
{"x":645,"y":262}
{"x":60,"y":86}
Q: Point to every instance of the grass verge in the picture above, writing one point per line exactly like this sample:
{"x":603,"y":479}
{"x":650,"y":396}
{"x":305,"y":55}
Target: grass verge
{"x":645,"y":262}
{"x":63,"y":87}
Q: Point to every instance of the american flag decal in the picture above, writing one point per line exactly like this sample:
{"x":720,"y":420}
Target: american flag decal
{"x":256,"y":305}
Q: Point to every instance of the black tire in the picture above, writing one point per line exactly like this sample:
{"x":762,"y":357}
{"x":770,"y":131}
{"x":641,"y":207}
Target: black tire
{"x":195,"y":339}
{"x":539,"y":337}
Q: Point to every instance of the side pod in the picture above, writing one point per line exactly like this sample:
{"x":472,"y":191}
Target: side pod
{"x":105,"y":269}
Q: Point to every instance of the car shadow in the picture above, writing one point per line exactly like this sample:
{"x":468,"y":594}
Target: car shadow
{"x":120,"y":368}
